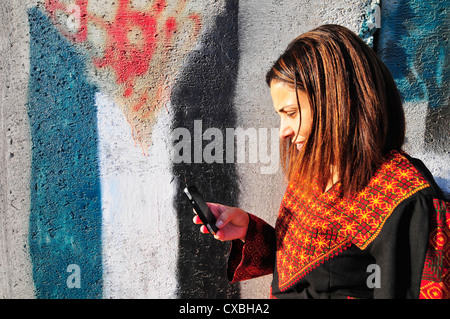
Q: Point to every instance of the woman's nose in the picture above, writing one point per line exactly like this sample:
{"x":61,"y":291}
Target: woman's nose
{"x":286,"y":130}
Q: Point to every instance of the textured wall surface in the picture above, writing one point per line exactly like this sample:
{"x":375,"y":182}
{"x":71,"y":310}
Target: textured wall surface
{"x":108,"y":107}
{"x":413,"y":42}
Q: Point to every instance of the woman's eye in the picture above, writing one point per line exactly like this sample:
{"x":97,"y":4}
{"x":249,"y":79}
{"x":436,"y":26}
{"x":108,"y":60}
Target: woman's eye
{"x":290,"y":114}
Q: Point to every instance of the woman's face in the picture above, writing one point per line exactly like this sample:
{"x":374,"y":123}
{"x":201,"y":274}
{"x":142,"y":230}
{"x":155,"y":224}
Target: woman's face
{"x":285,"y":104}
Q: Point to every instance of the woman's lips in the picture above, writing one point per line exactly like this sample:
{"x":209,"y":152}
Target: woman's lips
{"x":299,"y":145}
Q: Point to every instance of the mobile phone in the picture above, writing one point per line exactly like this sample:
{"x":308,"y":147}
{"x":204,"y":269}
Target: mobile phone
{"x":201,"y":208}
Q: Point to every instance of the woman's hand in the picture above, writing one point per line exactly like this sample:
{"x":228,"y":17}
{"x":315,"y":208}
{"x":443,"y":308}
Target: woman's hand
{"x":231,"y":221}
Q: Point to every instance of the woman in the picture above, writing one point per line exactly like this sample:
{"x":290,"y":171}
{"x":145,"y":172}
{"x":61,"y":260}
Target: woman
{"x":360,"y":218}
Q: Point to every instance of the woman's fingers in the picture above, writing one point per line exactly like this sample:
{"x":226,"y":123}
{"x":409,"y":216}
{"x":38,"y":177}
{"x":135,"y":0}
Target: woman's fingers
{"x":231,"y":221}
{"x":204,"y":230}
{"x":197,"y":220}
{"x":217,"y":209}
{"x":237,"y":216}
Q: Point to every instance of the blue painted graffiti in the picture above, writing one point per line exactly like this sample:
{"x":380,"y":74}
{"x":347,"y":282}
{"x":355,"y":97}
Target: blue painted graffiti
{"x":65,"y":216}
{"x":414,"y":45}
{"x":413,"y":42}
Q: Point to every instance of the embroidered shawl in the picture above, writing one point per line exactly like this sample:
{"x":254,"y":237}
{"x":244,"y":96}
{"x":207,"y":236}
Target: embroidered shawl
{"x":312,"y":229}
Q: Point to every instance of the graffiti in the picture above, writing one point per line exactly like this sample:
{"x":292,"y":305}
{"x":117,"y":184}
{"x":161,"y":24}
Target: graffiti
{"x":135,"y":45}
{"x":414,"y":45}
{"x":101,"y":214}
{"x":65,"y":213}
{"x":371,"y":22}
{"x":206,"y":90}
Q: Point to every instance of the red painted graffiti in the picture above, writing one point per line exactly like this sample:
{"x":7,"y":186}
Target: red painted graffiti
{"x":130,"y":57}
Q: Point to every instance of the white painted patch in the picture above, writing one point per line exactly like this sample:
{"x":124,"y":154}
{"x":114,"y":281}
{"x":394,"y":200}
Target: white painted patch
{"x":140,"y":232}
{"x":415,"y":116}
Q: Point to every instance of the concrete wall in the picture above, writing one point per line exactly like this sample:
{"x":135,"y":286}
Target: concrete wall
{"x":413,"y":42}
{"x":108,"y":106}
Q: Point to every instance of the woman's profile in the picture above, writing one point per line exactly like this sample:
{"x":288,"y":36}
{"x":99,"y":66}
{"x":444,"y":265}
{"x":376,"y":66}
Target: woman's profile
{"x":360,"y":218}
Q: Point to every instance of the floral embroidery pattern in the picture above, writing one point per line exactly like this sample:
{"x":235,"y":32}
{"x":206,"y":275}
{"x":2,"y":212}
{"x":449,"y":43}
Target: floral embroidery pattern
{"x":312,"y":229}
{"x":436,"y":272}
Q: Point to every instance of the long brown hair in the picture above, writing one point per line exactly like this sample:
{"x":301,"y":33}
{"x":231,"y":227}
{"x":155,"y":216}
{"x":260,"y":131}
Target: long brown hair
{"x":357,"y":111}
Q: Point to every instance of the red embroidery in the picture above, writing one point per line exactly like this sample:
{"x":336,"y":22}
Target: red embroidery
{"x":436,"y":273}
{"x":312,"y":229}
{"x":257,"y":255}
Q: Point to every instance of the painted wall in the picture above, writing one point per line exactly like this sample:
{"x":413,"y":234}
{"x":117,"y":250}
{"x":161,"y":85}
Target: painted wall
{"x":109,"y":106}
{"x":413,"y":42}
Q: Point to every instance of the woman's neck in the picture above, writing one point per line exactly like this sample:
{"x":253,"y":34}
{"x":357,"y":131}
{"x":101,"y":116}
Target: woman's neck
{"x":334,"y":179}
